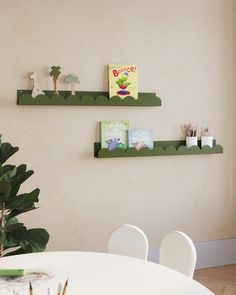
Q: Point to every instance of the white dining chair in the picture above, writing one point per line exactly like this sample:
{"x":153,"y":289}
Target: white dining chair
{"x":178,"y":252}
{"x":128,"y":240}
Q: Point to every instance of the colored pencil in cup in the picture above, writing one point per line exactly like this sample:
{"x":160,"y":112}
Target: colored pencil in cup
{"x":59,"y":289}
{"x":65,"y":287}
{"x":30,"y":289}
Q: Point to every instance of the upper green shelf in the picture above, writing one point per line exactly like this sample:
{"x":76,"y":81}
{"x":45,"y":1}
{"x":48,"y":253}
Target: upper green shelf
{"x":161,"y":148}
{"x":86,"y":98}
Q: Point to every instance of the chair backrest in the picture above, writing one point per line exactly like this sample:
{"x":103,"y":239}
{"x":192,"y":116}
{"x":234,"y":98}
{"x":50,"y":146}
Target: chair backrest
{"x":128,"y":240}
{"x":178,"y":252}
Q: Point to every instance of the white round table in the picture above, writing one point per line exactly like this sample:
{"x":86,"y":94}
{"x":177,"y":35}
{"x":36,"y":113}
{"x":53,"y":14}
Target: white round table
{"x":91,"y":273}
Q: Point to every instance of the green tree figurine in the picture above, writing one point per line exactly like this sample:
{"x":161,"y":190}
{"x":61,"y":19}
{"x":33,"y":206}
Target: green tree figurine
{"x":55,"y":73}
{"x":15,"y":238}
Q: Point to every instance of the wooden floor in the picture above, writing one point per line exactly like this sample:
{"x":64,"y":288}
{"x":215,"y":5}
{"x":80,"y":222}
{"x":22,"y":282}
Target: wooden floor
{"x":220,"y":280}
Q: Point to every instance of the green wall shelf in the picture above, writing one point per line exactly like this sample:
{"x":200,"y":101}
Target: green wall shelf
{"x":85,"y":98}
{"x":161,"y":148}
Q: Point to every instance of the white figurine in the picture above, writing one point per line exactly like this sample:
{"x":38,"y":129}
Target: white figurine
{"x":36,"y":89}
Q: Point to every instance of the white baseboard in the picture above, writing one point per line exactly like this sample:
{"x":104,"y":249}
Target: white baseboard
{"x":209,"y":253}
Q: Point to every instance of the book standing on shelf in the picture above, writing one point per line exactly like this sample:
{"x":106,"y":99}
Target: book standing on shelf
{"x":140,"y":138}
{"x":123,"y":81}
{"x":114,"y":134}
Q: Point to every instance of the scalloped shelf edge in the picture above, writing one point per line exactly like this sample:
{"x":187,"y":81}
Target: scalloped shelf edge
{"x":161,"y":148}
{"x":86,"y":98}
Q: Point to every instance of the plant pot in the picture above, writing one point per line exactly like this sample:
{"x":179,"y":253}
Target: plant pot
{"x":207,"y":140}
{"x":191,"y":141}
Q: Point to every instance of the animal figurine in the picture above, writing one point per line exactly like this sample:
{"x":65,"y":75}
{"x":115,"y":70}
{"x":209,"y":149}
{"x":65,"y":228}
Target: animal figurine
{"x":36,"y":89}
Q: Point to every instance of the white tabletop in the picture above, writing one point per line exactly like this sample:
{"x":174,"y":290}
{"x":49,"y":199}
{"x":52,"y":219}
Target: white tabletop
{"x":92,"y":273}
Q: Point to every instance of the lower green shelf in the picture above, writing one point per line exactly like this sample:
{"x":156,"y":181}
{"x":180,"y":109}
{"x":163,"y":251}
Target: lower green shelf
{"x":161,"y":148}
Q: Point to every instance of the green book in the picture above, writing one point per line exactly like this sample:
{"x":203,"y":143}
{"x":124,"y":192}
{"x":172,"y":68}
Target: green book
{"x":114,"y":134}
{"x":123,"y":81}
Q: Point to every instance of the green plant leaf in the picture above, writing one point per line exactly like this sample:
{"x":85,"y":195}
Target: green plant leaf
{"x":16,"y":212}
{"x":7,"y":240}
{"x":35,"y":240}
{"x":12,"y":239}
{"x":23,"y":201}
{"x":1,"y":169}
{"x":13,"y":233}
{"x":21,"y":176}
{"x":19,"y":179}
{"x":8,"y":174}
{"x":21,"y":169}
{"x":6,"y":151}
{"x":12,"y":220}
{"x":6,"y":168}
{"x":15,"y":252}
{"x":5,"y":188}
{"x":12,"y":227}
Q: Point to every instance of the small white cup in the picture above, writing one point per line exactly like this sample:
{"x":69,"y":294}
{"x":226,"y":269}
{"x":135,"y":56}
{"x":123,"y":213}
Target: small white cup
{"x":191,"y":141}
{"x":207,"y":140}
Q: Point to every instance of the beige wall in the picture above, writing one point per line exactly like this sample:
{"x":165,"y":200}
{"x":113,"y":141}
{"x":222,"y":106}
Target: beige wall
{"x":185,"y":51}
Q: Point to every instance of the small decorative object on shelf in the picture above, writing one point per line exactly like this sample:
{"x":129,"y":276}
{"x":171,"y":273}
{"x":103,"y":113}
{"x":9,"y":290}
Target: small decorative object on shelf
{"x":123,"y":81}
{"x":114,"y":134}
{"x":190,"y":131}
{"x":206,"y":139}
{"x":55,"y":73}
{"x":72,"y":79}
{"x":161,"y":148}
{"x":36,"y":89}
{"x":140,"y":138}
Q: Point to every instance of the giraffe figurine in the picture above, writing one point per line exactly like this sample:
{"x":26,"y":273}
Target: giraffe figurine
{"x":36,"y":89}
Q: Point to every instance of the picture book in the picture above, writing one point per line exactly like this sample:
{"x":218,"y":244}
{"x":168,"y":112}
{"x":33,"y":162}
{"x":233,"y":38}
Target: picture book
{"x":123,"y":81}
{"x":114,"y":134}
{"x":140,"y":138}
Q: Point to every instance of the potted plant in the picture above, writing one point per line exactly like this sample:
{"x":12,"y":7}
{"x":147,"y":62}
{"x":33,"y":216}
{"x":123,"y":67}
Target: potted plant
{"x":15,"y":238}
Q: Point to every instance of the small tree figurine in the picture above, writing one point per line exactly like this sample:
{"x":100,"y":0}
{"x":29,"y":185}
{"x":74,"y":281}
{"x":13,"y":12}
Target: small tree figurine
{"x":55,"y":73}
{"x":72,"y":79}
{"x":15,"y":238}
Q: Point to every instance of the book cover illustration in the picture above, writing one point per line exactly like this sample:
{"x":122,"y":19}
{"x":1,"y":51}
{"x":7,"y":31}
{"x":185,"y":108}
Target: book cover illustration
{"x":140,"y":138}
{"x":123,"y":81}
{"x":114,"y":134}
